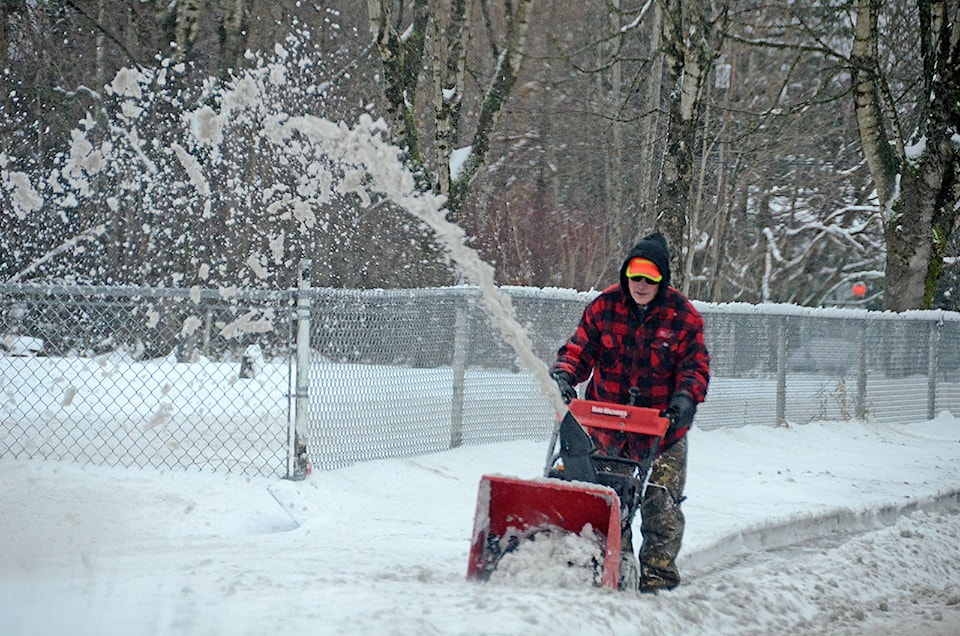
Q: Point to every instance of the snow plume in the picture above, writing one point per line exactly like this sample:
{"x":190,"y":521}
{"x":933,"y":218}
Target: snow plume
{"x":248,"y":323}
{"x":69,"y":245}
{"x":367,"y":150}
{"x":190,"y":164}
{"x":229,"y":184}
{"x":369,"y":164}
{"x":192,"y":183}
{"x":18,"y":189}
{"x":127,"y":83}
{"x":206,"y":126}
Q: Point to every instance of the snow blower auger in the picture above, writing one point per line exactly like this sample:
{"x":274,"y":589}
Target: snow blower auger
{"x":584,"y":492}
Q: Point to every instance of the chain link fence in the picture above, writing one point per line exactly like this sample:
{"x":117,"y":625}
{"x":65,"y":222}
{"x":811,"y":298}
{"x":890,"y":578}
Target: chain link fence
{"x":145,"y":377}
{"x":210,"y":379}
{"x":783,"y":365}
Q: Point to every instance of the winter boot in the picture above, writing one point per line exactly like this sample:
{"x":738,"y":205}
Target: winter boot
{"x":653,"y":580}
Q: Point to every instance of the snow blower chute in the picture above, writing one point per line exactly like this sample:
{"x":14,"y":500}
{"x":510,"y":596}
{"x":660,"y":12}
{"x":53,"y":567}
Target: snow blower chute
{"x":584,"y":492}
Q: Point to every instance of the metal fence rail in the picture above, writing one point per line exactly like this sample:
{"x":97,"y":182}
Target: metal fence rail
{"x":245,"y":381}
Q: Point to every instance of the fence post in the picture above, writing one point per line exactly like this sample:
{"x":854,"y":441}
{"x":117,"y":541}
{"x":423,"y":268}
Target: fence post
{"x":207,"y":331}
{"x":461,"y":341}
{"x":932,"y":366}
{"x":298,"y":462}
{"x":861,"y":405}
{"x":782,"y":371}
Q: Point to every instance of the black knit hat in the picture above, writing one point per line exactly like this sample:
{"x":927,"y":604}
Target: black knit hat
{"x":654,"y":247}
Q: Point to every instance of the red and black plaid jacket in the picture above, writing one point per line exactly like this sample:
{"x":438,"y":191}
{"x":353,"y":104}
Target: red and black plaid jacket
{"x":660,"y":352}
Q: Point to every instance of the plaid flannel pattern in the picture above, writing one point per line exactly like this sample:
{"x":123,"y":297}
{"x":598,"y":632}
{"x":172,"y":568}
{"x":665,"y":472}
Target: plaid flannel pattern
{"x":661,"y":353}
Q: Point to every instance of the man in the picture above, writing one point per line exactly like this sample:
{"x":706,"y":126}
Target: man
{"x":640,"y":342}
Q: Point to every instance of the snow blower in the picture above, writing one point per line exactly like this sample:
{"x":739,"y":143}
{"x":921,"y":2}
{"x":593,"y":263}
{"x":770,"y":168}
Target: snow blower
{"x":584,"y":492}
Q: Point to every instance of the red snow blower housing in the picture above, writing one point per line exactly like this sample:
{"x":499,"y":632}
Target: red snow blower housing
{"x":584,"y":492}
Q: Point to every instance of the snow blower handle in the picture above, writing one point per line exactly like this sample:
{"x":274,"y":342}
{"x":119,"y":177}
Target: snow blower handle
{"x":619,"y":417}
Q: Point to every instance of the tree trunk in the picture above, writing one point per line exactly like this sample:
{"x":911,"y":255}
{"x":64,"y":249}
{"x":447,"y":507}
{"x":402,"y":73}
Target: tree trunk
{"x":614,"y":156}
{"x":401,"y":53}
{"x":908,"y":247}
{"x":494,"y":100}
{"x":689,"y":53}
{"x":865,"y":76}
{"x":402,"y":50}
{"x":449,"y":65}
{"x":233,"y":35}
{"x":917,"y":188}
{"x":650,"y":131}
{"x":187,"y":26}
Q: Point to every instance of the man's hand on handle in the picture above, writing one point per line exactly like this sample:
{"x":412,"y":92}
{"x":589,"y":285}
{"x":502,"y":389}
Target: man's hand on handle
{"x":680,"y":412}
{"x":565,"y":384}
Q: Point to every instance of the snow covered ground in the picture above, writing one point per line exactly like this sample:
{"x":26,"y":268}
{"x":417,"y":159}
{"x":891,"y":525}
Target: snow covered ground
{"x":826,"y":528}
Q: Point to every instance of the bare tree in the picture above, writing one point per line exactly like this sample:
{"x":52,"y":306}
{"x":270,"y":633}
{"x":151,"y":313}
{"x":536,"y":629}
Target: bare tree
{"x":553,"y":166}
{"x":800,"y":225}
{"x":916,"y":172}
{"x":692,"y":31}
{"x":435,"y":36}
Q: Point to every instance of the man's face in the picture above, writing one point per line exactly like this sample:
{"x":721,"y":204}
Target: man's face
{"x":642,"y":290}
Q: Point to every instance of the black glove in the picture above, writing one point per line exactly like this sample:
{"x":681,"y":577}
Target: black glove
{"x":680,"y":412}
{"x":565,"y":383}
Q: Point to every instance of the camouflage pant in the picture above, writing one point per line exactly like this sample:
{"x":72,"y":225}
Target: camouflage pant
{"x":661,"y":520}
